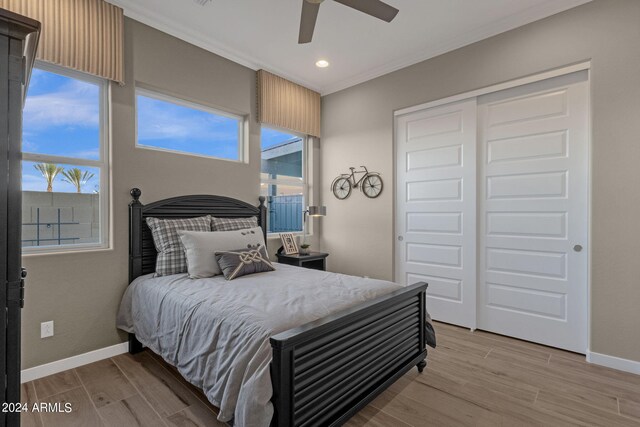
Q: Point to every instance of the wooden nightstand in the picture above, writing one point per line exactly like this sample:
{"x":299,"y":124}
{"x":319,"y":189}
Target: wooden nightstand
{"x":315,"y":260}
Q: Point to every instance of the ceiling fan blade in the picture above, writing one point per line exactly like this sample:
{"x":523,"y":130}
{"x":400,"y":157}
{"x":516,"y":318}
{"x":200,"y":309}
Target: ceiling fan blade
{"x":308,"y":21}
{"x":375,"y":8}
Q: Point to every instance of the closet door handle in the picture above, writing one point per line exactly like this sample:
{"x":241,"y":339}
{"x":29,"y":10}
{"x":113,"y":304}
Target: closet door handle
{"x":577,"y":248}
{"x":400,"y":238}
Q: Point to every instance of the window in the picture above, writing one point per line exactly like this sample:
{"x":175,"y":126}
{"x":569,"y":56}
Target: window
{"x":170,"y":124}
{"x":65,"y":161}
{"x":283,"y":176}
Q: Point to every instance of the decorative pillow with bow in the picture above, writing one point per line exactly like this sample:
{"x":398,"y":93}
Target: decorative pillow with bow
{"x":242,"y":262}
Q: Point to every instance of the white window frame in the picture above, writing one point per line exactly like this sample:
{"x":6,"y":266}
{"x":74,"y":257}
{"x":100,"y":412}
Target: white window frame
{"x":102,"y":164}
{"x":304,"y":183}
{"x":159,"y":96}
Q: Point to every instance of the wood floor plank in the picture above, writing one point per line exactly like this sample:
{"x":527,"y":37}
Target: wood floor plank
{"x":517,"y":357}
{"x":195,"y":390}
{"x":132,"y":411}
{"x":514,"y":410}
{"x":485,"y":378}
{"x":579,"y":411}
{"x":105,"y":382}
{"x":516,"y":343}
{"x":581,"y":381}
{"x":449,"y":343}
{"x":460,"y":411}
{"x":166,"y":394}
{"x":56,"y":384}
{"x":83,"y":413}
{"x":195,"y":415}
{"x":28,"y":395}
{"x":520,"y":412}
{"x":371,"y":417}
{"x":534,"y":376}
{"x":516,"y":346}
{"x":630,"y":409}
{"x":411,"y":412}
{"x":585,"y":368}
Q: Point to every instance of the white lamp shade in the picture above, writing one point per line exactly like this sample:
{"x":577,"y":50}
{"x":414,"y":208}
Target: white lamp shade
{"x":317,"y":210}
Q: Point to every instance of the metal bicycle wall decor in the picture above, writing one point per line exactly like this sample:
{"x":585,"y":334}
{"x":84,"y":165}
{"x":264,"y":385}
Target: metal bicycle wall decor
{"x":370,"y":184}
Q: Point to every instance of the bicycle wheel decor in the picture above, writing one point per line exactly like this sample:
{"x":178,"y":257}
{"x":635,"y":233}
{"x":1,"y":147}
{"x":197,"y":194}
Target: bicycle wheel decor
{"x":341,"y":187}
{"x":370,"y":184}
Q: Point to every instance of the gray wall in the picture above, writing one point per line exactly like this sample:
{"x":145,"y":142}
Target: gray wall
{"x":358,"y":129}
{"x":81,"y":291}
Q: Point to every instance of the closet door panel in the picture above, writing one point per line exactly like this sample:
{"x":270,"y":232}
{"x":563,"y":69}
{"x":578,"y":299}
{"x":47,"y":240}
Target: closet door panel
{"x":533,"y":213}
{"x":435,"y":207}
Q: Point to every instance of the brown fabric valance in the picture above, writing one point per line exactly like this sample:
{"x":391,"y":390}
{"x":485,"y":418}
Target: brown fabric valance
{"x":85,"y":35}
{"x":288,"y":105}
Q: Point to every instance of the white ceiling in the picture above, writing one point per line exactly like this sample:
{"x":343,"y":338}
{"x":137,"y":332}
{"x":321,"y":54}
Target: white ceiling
{"x":264,"y":33}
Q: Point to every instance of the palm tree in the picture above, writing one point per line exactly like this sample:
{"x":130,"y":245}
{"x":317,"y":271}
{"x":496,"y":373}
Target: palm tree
{"x":77,"y":177}
{"x":49,"y":171}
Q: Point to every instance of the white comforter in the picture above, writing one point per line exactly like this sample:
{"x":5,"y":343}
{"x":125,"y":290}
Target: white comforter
{"x":216,"y":332}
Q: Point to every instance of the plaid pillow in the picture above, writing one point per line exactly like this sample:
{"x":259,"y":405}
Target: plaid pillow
{"x":171,"y":257}
{"x":232,"y":224}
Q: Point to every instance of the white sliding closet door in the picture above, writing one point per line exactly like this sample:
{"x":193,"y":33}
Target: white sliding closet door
{"x":533,"y":212}
{"x":436,"y":208}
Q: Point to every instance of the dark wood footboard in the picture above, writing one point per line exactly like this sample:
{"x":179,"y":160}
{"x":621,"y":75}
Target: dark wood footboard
{"x":326,"y":371}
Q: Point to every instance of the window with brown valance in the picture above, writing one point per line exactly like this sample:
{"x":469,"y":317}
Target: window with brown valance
{"x":288,"y":105}
{"x":84,"y":35}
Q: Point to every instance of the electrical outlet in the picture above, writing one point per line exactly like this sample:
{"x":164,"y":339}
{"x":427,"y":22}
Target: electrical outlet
{"x":46,"y":329}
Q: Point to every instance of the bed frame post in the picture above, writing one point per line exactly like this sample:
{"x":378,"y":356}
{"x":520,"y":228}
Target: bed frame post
{"x":281,"y":367}
{"x":262,"y":218}
{"x":135,"y":233}
{"x":135,"y":252}
{"x":135,"y":346}
{"x":423,"y":344}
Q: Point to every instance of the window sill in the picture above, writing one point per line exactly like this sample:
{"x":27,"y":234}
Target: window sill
{"x":28,"y":252}
{"x":186,"y":153}
{"x":296,"y":234}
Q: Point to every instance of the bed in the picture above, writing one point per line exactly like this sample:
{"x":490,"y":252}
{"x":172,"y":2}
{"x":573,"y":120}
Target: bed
{"x":292,"y":347}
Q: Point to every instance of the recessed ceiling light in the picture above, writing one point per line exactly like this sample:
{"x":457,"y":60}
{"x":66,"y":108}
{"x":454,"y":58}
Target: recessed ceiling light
{"x":322,"y":63}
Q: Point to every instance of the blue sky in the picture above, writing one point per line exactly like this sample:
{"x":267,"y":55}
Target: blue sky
{"x":62,"y":117}
{"x":174,"y":127}
{"x":270,"y":137}
{"x":165,"y":125}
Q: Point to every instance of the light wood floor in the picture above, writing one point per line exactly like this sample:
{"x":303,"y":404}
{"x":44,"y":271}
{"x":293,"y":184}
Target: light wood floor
{"x":472,"y":379}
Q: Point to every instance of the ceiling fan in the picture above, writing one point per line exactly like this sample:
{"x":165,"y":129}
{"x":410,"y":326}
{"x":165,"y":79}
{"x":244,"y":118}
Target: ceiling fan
{"x":375,"y":8}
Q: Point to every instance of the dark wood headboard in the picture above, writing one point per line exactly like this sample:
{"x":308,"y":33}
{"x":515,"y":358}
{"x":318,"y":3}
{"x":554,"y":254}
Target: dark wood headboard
{"x":142,"y":252}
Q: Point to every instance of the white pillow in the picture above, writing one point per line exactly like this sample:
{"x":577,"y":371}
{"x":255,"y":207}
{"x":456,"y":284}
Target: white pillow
{"x":200,"y":248}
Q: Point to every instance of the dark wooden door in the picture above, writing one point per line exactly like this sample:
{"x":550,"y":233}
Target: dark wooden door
{"x":4,"y":186}
{"x":17,"y":49}
{"x":14,"y":224}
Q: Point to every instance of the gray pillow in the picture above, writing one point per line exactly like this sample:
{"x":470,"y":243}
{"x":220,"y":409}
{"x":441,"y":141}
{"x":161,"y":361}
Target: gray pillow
{"x":230,"y":224}
{"x":201,"y":247}
{"x":171,"y":258}
{"x":242,"y":262}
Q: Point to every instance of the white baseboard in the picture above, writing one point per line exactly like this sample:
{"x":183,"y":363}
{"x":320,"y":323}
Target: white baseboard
{"x":614,"y":362}
{"x":73,"y":362}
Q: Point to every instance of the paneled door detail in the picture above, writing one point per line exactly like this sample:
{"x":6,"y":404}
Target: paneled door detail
{"x":436,"y":208}
{"x":533,"y":190}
